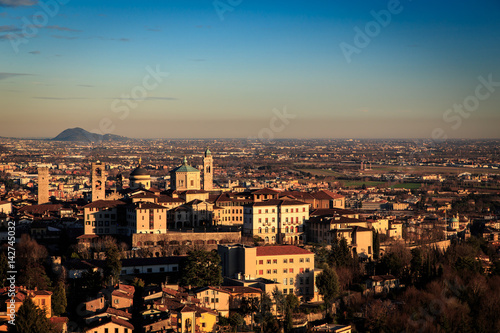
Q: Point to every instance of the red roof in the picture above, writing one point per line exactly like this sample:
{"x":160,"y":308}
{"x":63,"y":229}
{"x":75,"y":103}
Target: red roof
{"x":280,"y":250}
{"x":104,"y":204}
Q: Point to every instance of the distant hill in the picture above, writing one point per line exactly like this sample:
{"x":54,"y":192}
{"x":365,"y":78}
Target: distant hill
{"x":81,"y":135}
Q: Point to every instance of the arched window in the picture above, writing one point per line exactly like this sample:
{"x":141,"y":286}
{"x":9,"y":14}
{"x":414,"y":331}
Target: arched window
{"x":273,"y":229}
{"x":286,"y":229}
{"x":267,"y":239}
{"x":260,"y":230}
{"x":267,"y":230}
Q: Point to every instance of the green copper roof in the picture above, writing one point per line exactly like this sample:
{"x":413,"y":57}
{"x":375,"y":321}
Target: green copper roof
{"x":208,"y":152}
{"x":185,"y":167}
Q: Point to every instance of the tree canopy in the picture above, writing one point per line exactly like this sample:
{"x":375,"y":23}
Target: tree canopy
{"x":328,"y":285}
{"x":31,"y":319}
{"x":202,"y":269}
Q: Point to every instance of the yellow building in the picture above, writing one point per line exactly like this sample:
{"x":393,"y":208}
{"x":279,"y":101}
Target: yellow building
{"x":185,"y":177}
{"x":41,"y":298}
{"x":290,"y":266}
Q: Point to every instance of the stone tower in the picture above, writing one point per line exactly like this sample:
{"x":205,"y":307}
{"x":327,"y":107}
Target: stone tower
{"x":208,"y":177}
{"x":98,"y":178}
{"x":43,"y":185}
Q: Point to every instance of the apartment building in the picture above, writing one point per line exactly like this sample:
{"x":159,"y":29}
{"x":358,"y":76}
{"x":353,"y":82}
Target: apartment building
{"x":276,"y":220}
{"x":291,"y":267}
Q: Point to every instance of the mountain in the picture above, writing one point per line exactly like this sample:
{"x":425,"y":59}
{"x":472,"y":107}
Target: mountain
{"x":81,"y":135}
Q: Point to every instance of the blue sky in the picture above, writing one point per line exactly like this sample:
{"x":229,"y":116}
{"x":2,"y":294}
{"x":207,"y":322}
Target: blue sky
{"x":230,"y":63}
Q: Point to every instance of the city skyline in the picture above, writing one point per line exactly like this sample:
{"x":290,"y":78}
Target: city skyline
{"x":238,"y":69}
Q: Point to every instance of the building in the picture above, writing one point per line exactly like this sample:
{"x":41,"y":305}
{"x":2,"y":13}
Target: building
{"x":208,"y":171}
{"x":100,"y":217}
{"x":140,"y":178}
{"x":146,"y":217}
{"x":214,"y":298}
{"x":290,"y":267}
{"x":41,"y":298}
{"x":43,"y":185}
{"x":276,"y":220}
{"x":98,"y":181}
{"x":185,"y":177}
{"x":109,"y":325}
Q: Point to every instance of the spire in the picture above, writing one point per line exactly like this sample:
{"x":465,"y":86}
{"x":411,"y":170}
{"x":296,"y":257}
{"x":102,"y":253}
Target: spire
{"x":208,"y":152}
{"x":140,"y":161}
{"x":185,"y":161}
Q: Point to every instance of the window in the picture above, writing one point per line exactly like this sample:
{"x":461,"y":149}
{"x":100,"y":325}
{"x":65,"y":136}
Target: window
{"x":301,"y":260}
{"x":268,"y":271}
{"x":291,"y":290}
{"x":261,"y":262}
{"x":285,"y":280}
{"x":307,"y":259}
{"x":285,"y":261}
{"x":116,"y":301}
{"x":261,"y":272}
{"x":275,"y":271}
{"x":116,"y":330}
{"x":284,"y":291}
{"x":290,"y":261}
{"x":301,"y":280}
{"x":301,"y":270}
{"x":285,"y":270}
{"x":260,"y":212}
{"x":303,"y":209}
{"x":266,"y":213}
{"x":216,"y":300}
{"x":268,"y":261}
{"x":291,"y":281}
{"x":106,"y":330}
{"x":290,"y":270}
{"x":275,"y":261}
{"x":369,"y":250}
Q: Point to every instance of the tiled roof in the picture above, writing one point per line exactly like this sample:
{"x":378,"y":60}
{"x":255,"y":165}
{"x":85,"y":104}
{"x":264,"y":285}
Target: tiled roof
{"x":104,"y":204}
{"x":278,"y":250}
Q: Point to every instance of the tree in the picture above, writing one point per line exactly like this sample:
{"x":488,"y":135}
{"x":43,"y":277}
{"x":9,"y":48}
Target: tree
{"x":59,"y":301}
{"x":376,"y":245}
{"x":3,"y":269}
{"x":202,"y":269}
{"x":328,"y":286}
{"x":31,"y":319}
{"x":113,"y":265}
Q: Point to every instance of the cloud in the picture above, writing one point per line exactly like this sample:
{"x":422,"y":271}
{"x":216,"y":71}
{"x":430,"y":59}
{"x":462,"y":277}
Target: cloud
{"x":151,"y":98}
{"x":85,"y":85}
{"x":63,"y":37}
{"x":17,"y":3}
{"x":59,"y":98}
{"x":4,"y":76}
{"x":34,"y":52}
{"x":9,"y":28}
{"x":56,"y":27}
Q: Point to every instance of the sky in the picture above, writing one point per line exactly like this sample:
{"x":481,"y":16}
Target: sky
{"x":251,"y":68}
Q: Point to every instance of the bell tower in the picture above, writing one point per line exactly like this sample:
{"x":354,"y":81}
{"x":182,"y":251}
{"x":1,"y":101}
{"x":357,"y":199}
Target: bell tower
{"x":98,"y":179}
{"x":208,"y":171}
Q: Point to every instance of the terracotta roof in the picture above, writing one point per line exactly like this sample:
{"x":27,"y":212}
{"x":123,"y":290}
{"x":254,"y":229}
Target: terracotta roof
{"x":104,"y":204}
{"x":242,"y":290}
{"x":265,"y":191}
{"x":279,"y":250}
{"x":326,"y":195}
{"x":277,"y":202}
{"x":148,"y":205}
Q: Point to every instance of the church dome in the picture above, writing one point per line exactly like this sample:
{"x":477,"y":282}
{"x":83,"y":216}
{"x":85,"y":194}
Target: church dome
{"x":139,"y":172}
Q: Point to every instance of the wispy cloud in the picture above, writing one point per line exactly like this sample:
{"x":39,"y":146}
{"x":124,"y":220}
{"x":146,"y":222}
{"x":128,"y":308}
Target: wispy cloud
{"x":9,"y":28}
{"x":56,"y":27}
{"x":64,"y":37}
{"x":4,"y":76}
{"x":59,"y":98}
{"x":17,"y":3}
{"x":85,"y":85}
{"x":151,"y":98}
{"x":34,"y":52}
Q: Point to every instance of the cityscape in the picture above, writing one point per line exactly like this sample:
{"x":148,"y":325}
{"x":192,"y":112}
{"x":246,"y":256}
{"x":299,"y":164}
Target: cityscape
{"x":236,"y":166}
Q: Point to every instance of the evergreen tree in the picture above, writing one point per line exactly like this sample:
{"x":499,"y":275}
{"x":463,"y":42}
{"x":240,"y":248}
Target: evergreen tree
{"x":113,"y":265}
{"x":3,"y":269}
{"x":59,"y":301}
{"x":328,"y":285}
{"x":202,"y":269}
{"x":376,"y":245}
{"x":31,"y":319}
